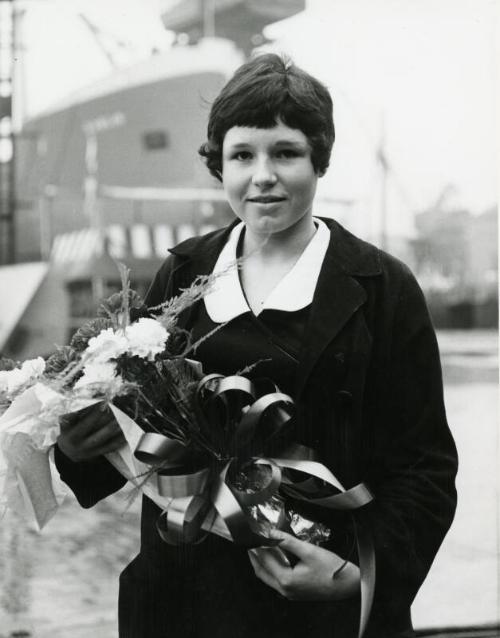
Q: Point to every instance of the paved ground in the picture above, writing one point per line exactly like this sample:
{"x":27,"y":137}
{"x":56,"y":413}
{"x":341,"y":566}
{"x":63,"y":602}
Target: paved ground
{"x":64,"y":581}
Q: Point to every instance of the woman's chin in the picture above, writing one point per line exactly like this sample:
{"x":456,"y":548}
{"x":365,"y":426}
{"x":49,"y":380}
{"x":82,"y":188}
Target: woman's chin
{"x":266,"y":224}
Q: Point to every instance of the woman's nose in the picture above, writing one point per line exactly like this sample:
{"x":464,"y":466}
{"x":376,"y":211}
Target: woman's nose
{"x":264,"y":173}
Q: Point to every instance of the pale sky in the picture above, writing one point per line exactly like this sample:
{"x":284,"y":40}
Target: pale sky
{"x":421,"y":70}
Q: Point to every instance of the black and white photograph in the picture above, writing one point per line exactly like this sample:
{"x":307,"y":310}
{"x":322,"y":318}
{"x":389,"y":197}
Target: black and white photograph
{"x":249,"y":322}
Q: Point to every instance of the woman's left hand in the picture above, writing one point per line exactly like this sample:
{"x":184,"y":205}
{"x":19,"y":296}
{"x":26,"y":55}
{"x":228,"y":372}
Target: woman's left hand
{"x":311,"y":578}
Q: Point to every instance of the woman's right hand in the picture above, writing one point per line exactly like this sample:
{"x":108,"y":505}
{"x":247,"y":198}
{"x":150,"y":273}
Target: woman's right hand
{"x":89,"y":433}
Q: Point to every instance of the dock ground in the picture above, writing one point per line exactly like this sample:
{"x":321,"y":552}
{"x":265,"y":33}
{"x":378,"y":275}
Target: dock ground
{"x":66,"y":581}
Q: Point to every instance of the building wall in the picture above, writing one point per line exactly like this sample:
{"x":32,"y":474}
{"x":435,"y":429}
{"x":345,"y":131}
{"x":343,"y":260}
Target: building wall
{"x":457,"y":264}
{"x":44,"y":324}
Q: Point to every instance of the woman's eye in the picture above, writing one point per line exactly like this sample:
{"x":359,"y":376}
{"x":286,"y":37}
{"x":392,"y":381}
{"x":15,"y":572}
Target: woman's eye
{"x":287,"y":153}
{"x":242,"y":156}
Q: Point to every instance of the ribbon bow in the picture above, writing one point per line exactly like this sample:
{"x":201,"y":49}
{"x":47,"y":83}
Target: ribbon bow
{"x":233,"y":414}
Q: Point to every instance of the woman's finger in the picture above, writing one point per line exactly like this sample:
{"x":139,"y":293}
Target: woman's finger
{"x":85,"y":422}
{"x":111,"y":445}
{"x":89,"y":449}
{"x":273,"y":561}
{"x":262,"y":573}
{"x":71,"y":418}
{"x":316,"y":558}
{"x":299,"y":548}
{"x":275,"y":555}
{"x":101,"y":436}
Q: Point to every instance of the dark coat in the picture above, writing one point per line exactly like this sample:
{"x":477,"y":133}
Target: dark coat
{"x":370,"y":383}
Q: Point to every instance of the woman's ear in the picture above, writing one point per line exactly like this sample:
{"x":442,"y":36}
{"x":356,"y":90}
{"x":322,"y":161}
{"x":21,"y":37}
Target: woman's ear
{"x":322,"y":171}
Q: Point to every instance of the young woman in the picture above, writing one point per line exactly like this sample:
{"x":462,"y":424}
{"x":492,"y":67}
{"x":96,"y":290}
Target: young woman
{"x":340,"y":326}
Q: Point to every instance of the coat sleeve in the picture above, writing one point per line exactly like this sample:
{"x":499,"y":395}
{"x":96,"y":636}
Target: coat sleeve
{"x":91,"y":481}
{"x":161,"y":287}
{"x":414,"y":459}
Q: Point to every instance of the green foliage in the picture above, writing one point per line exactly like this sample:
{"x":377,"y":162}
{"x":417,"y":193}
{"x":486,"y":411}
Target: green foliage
{"x":171,"y":309}
{"x":59,"y":361}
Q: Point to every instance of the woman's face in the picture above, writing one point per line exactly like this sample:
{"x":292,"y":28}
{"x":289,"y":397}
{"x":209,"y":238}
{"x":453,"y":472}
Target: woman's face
{"x":268,"y":177}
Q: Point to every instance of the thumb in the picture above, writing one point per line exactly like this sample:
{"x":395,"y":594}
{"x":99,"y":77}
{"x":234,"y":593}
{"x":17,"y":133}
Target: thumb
{"x":299,"y":548}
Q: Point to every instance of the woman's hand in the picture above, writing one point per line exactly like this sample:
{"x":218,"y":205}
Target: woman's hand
{"x":89,"y":433}
{"x":311,"y":578}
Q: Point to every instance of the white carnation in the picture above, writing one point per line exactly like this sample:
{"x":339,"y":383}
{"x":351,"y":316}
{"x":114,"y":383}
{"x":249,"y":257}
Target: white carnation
{"x":107,"y":345}
{"x":52,"y":406}
{"x":11,"y":381}
{"x":4,"y":380}
{"x":99,"y":378}
{"x":146,"y":338}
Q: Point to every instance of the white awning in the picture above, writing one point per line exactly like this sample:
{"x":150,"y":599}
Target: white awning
{"x":137,"y":241}
{"x":18,"y":285}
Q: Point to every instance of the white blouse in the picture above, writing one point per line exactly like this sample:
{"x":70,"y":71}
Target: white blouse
{"x":294,"y":292}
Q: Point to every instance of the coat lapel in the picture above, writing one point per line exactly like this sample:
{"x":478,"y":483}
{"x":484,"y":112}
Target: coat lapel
{"x":338,"y":295}
{"x":198,"y":255}
{"x":338,"y":292}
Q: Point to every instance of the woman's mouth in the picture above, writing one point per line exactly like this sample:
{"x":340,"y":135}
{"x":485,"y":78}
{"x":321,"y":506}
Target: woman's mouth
{"x":266,"y":199}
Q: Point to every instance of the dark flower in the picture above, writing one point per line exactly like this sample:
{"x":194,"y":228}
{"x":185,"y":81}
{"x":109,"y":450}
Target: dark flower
{"x":58,"y":361}
{"x":90,"y":329}
{"x":134,"y":368}
{"x":113,"y":305}
{"x":138,"y":312}
{"x":177,"y":343}
{"x":7,"y":364}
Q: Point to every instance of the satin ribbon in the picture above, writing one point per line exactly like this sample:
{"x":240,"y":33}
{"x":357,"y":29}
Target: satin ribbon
{"x":237,"y":411}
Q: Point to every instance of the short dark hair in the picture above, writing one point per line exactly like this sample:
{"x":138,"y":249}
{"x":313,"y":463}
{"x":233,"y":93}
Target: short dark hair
{"x":263,"y":90}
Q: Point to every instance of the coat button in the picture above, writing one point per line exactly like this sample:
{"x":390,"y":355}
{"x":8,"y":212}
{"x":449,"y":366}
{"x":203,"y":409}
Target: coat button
{"x":345,"y":397}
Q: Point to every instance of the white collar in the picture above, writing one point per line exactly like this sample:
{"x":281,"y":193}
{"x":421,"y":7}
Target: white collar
{"x":295,"y":291}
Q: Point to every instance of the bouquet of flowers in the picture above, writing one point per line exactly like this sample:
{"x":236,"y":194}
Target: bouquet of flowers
{"x":195,"y":443}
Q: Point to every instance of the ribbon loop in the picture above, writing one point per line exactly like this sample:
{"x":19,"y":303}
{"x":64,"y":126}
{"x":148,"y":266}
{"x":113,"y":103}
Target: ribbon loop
{"x":235,"y":384}
{"x":278,"y":404}
{"x":154,"y":448}
{"x":182,"y":485}
{"x":181,"y":522}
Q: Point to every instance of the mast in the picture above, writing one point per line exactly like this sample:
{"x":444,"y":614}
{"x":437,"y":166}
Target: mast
{"x":7,"y":142}
{"x":208,"y":12}
{"x":384,"y":171}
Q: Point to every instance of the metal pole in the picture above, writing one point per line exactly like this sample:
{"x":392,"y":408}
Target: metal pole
{"x":91,"y":204}
{"x":7,"y":143}
{"x":208,"y":8}
{"x":383,"y":188}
